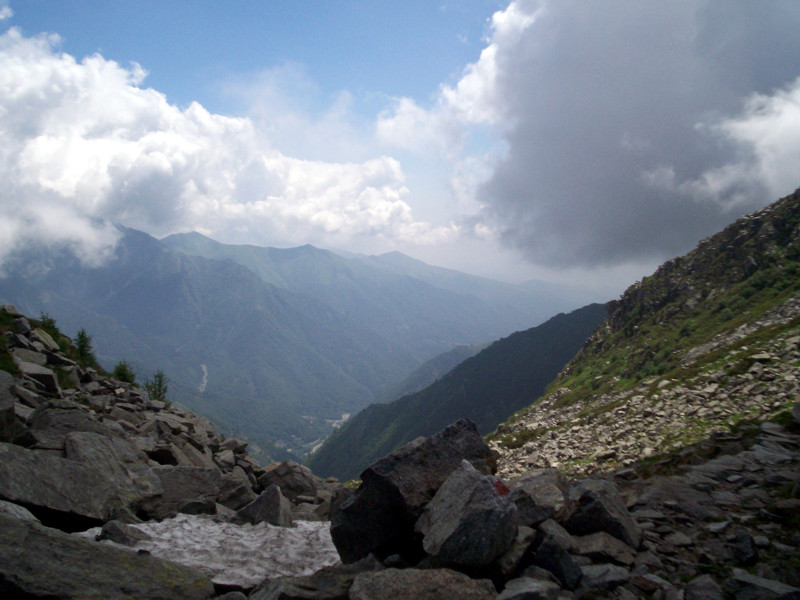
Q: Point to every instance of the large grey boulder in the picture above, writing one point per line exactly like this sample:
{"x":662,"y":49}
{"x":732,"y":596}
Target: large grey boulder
{"x":540,"y":495}
{"x":553,"y":557}
{"x":46,"y":377}
{"x":270,"y":506}
{"x":10,"y":428}
{"x":601,"y":508}
{"x":75,"y":490}
{"x":416,"y":584}
{"x":380,"y":517}
{"x":468,"y":523}
{"x":180,"y":486}
{"x":122,"y":464}
{"x":37,"y":561}
{"x":293,"y":479}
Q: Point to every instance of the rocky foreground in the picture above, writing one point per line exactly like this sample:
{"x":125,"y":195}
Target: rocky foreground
{"x":719,"y":519}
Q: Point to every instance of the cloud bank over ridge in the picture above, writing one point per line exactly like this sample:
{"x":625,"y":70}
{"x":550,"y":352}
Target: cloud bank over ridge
{"x":587,"y":136}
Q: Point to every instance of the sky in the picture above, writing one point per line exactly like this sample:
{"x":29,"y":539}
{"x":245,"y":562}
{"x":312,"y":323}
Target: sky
{"x":574,"y":141}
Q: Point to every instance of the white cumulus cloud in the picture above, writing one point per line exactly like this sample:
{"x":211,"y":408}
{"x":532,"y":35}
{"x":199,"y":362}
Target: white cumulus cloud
{"x":84,"y":144}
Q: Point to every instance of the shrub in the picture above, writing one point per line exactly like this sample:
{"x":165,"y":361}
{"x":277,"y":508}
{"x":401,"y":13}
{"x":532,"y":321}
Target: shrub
{"x":157,"y":387}
{"x":124,"y":372}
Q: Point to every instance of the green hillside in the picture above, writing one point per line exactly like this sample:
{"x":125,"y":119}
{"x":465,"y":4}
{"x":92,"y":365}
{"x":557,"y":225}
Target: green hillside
{"x":486,"y":388}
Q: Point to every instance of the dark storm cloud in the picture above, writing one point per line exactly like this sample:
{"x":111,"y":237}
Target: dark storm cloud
{"x":616,"y":110}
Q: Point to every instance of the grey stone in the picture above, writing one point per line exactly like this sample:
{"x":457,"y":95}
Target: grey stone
{"x":44,"y":338}
{"x":603,"y":547}
{"x":796,"y":412}
{"x":508,"y":564}
{"x":16,"y":511}
{"x":23,"y":355}
{"x":294,"y":480}
{"x":467,"y":523}
{"x":37,"y":479}
{"x":270,"y":506}
{"x":121,"y":533}
{"x":37,"y":561}
{"x":525,"y":588}
{"x":560,"y":535}
{"x":329,"y":583}
{"x":703,"y":588}
{"x":600,"y":508}
{"x":179,"y":486}
{"x":550,"y":555}
{"x":380,"y":517}
{"x":46,"y":377}
{"x":744,"y":586}
{"x":540,"y":495}
{"x":416,"y":584}
{"x":603,"y":577}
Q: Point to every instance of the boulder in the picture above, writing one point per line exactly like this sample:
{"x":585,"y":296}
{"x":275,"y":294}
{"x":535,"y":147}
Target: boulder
{"x":525,"y":588}
{"x":270,"y":506}
{"x":380,"y":517}
{"x":551,"y":556}
{"x":416,"y":584}
{"x":601,"y":508}
{"x":540,"y":495}
{"x":44,"y":338}
{"x":122,"y":464}
{"x":10,"y":428}
{"x":46,"y":377}
{"x":294,"y":480}
{"x":329,"y":583}
{"x":121,"y":533}
{"x":744,"y":586}
{"x":16,"y":511}
{"x":703,"y":588}
{"x":468,"y":523}
{"x":602,"y":577}
{"x":603,"y":547}
{"x":68,"y":491}
{"x":37,"y":561}
{"x":181,"y":485}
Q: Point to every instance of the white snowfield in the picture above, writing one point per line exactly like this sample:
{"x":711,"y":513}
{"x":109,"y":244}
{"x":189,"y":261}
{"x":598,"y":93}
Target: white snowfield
{"x":241,"y":555}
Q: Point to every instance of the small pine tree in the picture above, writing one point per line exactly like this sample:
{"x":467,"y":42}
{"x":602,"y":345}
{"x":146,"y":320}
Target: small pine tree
{"x":124,"y":372}
{"x":83,"y":344}
{"x":157,"y":387}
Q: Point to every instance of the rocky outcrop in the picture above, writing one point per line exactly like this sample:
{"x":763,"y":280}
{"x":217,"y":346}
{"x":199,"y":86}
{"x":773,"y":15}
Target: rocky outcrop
{"x":40,"y":562}
{"x":381,"y":516}
{"x":605,"y":432}
{"x":79,"y":449}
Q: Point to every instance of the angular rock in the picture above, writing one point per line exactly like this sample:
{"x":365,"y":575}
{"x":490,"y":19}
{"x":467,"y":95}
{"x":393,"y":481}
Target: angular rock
{"x":16,"y":511}
{"x":602,"y":547}
{"x":121,"y":533}
{"x":380,"y":517}
{"x":525,"y":588}
{"x":551,"y":556}
{"x":600,"y":508}
{"x":124,"y":467}
{"x":415,"y":584}
{"x":560,"y":535}
{"x":37,"y":561}
{"x":39,"y":480}
{"x":46,"y":377}
{"x":270,"y":506}
{"x":179,"y":486}
{"x":467,"y":523}
{"x":10,"y":429}
{"x":235,"y":491}
{"x":294,"y":480}
{"x":703,"y":588}
{"x":744,"y":586}
{"x":44,"y":338}
{"x":508,"y":564}
{"x":603,"y":577}
{"x":329,"y":583}
{"x":540,"y":495}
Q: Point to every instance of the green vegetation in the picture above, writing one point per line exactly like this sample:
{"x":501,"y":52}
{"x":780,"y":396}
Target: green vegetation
{"x":157,"y":387}
{"x":124,"y":372}
{"x":486,"y":388}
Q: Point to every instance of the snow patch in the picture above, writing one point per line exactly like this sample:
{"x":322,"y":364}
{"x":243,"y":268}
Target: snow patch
{"x":241,"y":555}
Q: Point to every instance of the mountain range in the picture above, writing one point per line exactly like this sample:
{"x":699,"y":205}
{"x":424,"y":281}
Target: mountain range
{"x":501,"y":379}
{"x":273,"y":344}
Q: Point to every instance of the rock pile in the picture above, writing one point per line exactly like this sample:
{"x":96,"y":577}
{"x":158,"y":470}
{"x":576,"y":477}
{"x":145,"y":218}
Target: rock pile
{"x":602,"y":433}
{"x":79,"y":449}
{"x":723,"y":528}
